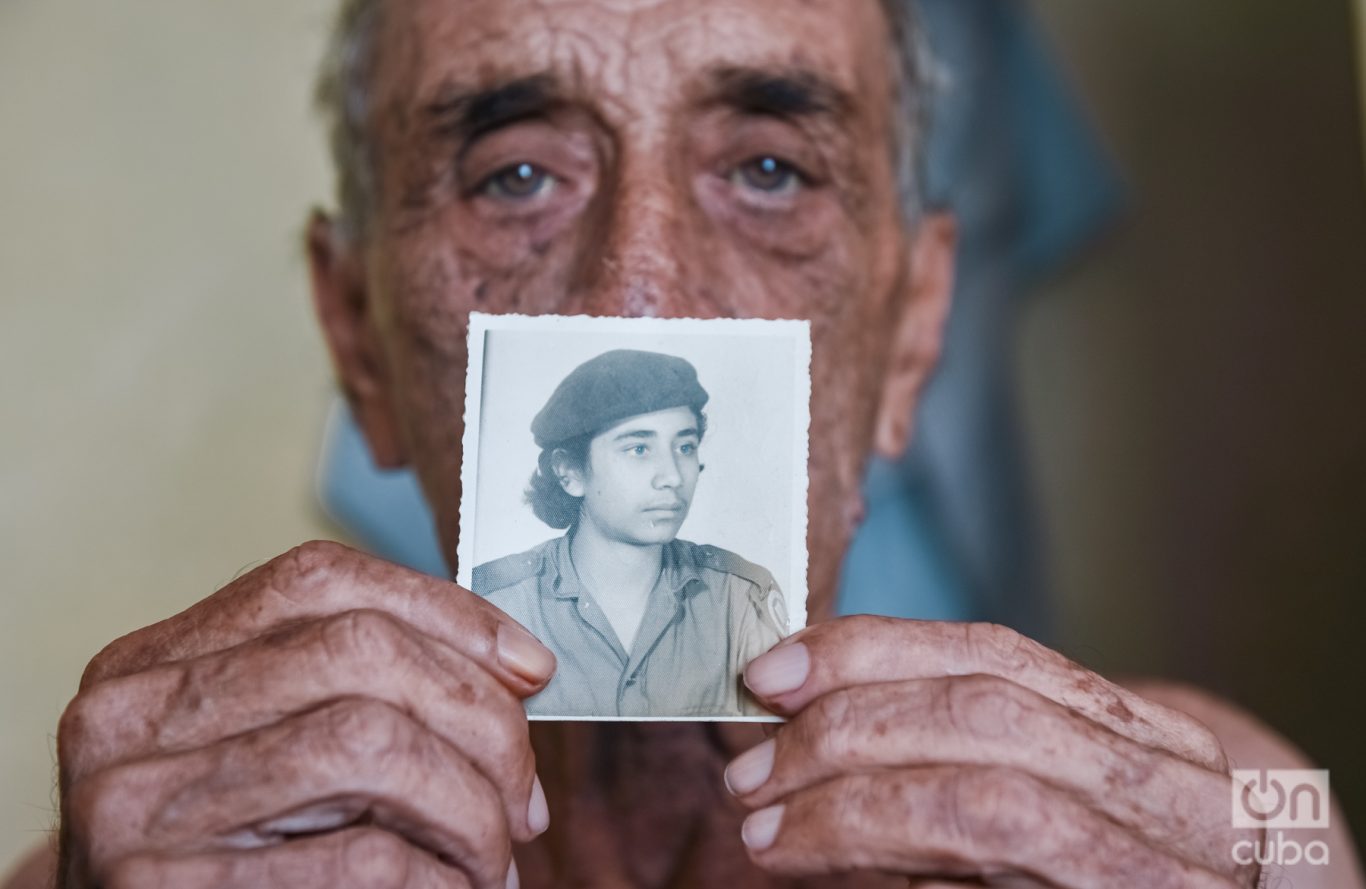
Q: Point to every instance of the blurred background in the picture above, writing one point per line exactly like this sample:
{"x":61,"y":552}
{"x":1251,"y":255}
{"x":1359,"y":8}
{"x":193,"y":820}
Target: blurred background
{"x":1191,"y":385}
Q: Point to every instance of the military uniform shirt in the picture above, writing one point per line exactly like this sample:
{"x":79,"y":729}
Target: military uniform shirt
{"x":709,"y":613}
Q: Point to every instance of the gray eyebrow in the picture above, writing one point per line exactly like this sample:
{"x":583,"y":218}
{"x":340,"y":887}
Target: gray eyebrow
{"x":780,"y":92}
{"x":464,"y":114}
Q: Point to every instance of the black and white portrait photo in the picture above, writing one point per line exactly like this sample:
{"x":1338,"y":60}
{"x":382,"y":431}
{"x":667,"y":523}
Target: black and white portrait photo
{"x":634,"y":494}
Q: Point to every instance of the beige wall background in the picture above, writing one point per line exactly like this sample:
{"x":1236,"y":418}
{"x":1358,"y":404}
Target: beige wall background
{"x":1193,"y":389}
{"x":161,"y":384}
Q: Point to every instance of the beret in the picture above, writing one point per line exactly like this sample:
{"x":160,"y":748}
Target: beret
{"x":611,"y":387}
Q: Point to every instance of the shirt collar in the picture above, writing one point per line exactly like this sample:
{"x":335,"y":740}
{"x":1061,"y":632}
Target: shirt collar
{"x":681,"y":571}
{"x":681,"y":575}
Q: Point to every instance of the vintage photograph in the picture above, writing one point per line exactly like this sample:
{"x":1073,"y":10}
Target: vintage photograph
{"x":634,"y":494}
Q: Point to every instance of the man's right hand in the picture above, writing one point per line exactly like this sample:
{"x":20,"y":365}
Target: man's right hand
{"x":328,"y":719}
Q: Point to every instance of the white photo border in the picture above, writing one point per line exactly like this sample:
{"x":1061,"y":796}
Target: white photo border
{"x":797,"y":331}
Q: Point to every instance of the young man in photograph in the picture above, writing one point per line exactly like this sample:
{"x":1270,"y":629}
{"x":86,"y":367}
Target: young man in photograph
{"x":641,"y":623}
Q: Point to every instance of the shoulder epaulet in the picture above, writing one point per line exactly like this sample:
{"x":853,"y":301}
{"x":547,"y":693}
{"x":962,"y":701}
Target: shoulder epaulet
{"x":768,"y":601}
{"x":500,"y":573}
{"x":727,"y":561}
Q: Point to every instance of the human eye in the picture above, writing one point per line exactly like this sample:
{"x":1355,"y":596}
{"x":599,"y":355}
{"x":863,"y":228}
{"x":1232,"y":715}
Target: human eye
{"x":639,"y":450}
{"x":687,"y":448}
{"x":519,"y":182}
{"x":769,"y":175}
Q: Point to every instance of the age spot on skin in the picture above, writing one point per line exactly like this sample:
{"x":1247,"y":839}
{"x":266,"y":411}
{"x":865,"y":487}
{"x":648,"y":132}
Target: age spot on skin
{"x":1120,"y":710}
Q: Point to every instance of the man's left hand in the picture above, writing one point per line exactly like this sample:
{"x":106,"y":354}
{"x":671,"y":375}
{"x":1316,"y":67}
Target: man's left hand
{"x":947,"y":751}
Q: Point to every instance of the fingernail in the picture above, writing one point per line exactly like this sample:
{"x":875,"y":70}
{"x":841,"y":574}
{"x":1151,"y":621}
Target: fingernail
{"x":521,"y":653}
{"x":780,"y":671}
{"x":319,"y":819}
{"x":751,"y":769}
{"x":537,"y":812}
{"x":514,"y":880}
{"x":761,"y":829}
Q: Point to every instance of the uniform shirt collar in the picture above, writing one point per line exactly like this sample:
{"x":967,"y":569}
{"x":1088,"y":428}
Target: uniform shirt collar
{"x":681,"y":574}
{"x":681,"y":571}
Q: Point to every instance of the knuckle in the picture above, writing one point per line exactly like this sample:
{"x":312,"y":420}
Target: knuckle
{"x":106,"y":664}
{"x":853,"y":626}
{"x":364,"y":730}
{"x":830,"y":726}
{"x":859,"y":626}
{"x":510,"y":744}
{"x":94,"y":728}
{"x":315,"y":554}
{"x":996,"y":646}
{"x":991,"y":808}
{"x":367,"y":637}
{"x":1170,"y":714}
{"x":81,"y":804}
{"x":981,"y":635}
{"x":73,"y":727}
{"x":983,"y":706}
{"x":1208,"y":750}
{"x":307,"y":569}
{"x":375,"y":859}
{"x":98,"y":806}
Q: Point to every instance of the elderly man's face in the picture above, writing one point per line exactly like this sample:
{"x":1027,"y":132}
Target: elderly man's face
{"x":698,"y":158}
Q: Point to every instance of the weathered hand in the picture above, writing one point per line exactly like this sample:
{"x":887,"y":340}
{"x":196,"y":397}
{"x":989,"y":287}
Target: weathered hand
{"x":328,"y":719}
{"x":967,"y":751}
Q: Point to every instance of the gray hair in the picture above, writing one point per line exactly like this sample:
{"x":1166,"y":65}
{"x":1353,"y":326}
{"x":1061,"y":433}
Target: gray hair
{"x":342,"y":96}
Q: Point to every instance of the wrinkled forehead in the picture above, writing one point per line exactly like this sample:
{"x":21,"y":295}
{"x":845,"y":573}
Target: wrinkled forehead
{"x":631,"y":59}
